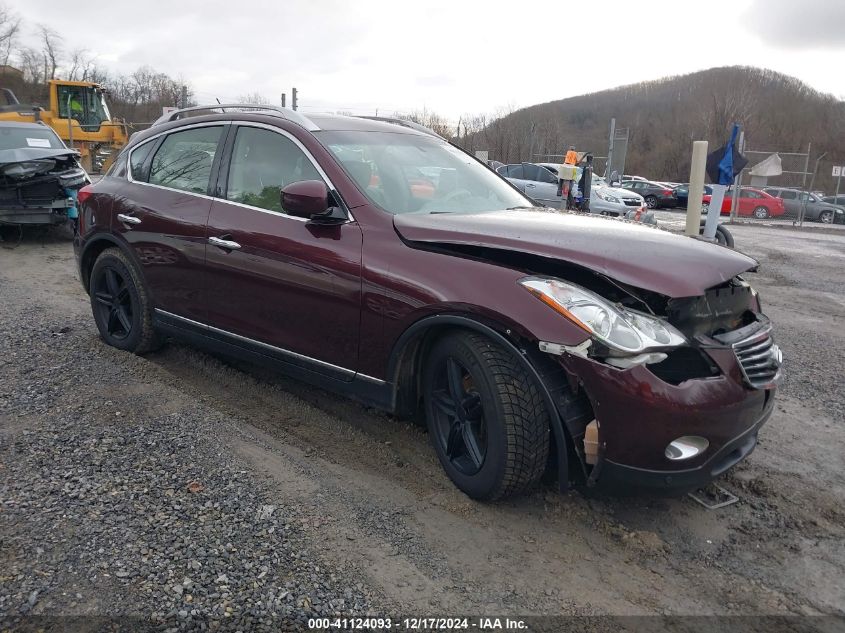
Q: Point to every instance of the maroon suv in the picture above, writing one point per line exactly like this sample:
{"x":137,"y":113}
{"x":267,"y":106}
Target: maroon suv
{"x":377,"y":260}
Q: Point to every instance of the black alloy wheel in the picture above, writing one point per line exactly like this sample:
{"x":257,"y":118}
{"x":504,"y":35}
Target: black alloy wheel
{"x":120,"y":303}
{"x":113,"y":302}
{"x":459,"y":422}
{"x":486,"y":416}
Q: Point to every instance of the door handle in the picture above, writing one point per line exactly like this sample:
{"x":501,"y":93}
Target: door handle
{"x":528,"y":184}
{"x":128,"y":219}
{"x":225,"y":244}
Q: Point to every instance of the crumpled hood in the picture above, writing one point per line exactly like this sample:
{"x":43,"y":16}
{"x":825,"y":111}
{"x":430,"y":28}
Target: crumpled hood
{"x":641,"y":256}
{"x":23,"y":154}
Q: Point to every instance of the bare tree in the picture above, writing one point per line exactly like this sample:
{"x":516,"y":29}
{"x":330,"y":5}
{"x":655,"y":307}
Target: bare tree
{"x":51,"y":47}
{"x":10,"y":24}
{"x":81,"y":65}
{"x":255,"y":98}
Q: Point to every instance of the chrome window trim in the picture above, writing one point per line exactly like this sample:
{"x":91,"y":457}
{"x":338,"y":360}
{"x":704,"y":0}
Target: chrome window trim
{"x":273,"y":348}
{"x":154,"y":137}
{"x":285,"y":133}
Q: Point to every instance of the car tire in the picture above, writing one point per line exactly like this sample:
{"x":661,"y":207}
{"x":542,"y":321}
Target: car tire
{"x":761,"y":213}
{"x":121,"y":305}
{"x":724,"y":237}
{"x":651,"y":202}
{"x":486,"y":416}
{"x":826,"y":217}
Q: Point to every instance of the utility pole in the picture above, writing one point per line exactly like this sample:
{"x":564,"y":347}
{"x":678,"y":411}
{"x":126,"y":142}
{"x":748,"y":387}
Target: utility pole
{"x":804,"y":184}
{"x":293,"y":98}
{"x":609,"y":166}
{"x":805,"y":194}
{"x":184,"y":96}
{"x":283,"y":99}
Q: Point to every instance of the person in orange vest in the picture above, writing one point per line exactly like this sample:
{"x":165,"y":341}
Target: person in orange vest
{"x":565,"y":177}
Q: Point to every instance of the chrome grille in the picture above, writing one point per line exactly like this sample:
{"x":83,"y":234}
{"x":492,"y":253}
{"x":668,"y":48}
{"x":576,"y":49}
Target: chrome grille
{"x":632,"y":202}
{"x":760,"y":359}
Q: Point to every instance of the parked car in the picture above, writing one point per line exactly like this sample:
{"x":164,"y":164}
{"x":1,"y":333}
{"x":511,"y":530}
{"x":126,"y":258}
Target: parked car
{"x":816,"y":209}
{"x":655,"y":195}
{"x":516,"y":332}
{"x":681,"y":193}
{"x":837,"y":200}
{"x":539,"y":182}
{"x":39,"y":176}
{"x":752,"y":202}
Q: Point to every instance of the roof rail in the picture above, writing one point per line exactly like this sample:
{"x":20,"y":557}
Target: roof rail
{"x":284,"y":113}
{"x":403,"y":123}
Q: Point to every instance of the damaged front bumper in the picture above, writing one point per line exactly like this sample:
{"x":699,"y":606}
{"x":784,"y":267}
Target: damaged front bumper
{"x":45,"y":199}
{"x":643,"y":409}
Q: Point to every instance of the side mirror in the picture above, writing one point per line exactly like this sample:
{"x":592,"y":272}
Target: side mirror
{"x":305,"y":199}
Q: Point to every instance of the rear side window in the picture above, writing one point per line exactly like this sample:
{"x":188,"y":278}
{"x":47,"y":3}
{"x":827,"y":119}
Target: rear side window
{"x":184,"y":159}
{"x":138,"y":159}
{"x":262,"y":163}
{"x":516,"y":171}
{"x":788,"y":195}
{"x":544,"y":175}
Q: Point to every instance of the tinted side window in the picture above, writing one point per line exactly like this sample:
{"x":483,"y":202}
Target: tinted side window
{"x":515,"y":171}
{"x":530,"y":172}
{"x":118,"y":167}
{"x":544,"y":175}
{"x":262,"y":163}
{"x":788,"y":195}
{"x":184,"y":159}
{"x":137,"y":160}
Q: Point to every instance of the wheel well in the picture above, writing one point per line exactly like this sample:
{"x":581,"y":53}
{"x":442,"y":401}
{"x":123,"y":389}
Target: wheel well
{"x":89,"y":256}
{"x":406,"y":372}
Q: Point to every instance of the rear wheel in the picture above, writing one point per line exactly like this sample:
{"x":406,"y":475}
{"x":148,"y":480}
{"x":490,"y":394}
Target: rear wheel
{"x":486,"y":416}
{"x":761,"y":213}
{"x":120,"y":304}
{"x":826,"y":217}
{"x":651,"y":202}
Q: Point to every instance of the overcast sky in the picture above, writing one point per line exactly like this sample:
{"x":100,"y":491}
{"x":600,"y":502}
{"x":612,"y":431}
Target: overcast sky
{"x":451,"y":56}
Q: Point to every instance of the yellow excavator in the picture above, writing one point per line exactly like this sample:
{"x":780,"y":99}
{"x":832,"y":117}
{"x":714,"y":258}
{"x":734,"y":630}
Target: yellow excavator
{"x":79,"y":115}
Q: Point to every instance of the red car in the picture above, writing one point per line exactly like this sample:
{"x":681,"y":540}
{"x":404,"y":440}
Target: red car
{"x":752,"y":203}
{"x":530,"y":340}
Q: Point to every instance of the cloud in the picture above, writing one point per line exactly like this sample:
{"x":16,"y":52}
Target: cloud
{"x":798,"y":24}
{"x":449,"y":57}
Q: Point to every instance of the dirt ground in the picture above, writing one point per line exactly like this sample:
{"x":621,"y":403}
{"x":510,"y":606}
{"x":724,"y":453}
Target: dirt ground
{"x":374,"y":498}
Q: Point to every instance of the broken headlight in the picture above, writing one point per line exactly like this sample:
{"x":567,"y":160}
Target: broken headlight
{"x":28,"y":168}
{"x":623,"y":331}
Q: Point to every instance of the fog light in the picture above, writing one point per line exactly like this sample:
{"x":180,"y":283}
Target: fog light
{"x":686,"y":447}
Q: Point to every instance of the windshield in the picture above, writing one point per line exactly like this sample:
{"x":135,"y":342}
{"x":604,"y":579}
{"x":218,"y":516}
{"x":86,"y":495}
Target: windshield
{"x":409,"y":173}
{"x":86,"y":104}
{"x":39,"y":137}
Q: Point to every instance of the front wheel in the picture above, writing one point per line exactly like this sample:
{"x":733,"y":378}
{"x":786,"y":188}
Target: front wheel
{"x":761,"y":213}
{"x":651,"y":202}
{"x":826,"y":217}
{"x":486,"y":416}
{"x":120,"y":304}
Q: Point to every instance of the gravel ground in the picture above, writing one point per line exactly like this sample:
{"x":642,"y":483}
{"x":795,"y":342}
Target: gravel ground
{"x":120,"y":500}
{"x":187,"y":491}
